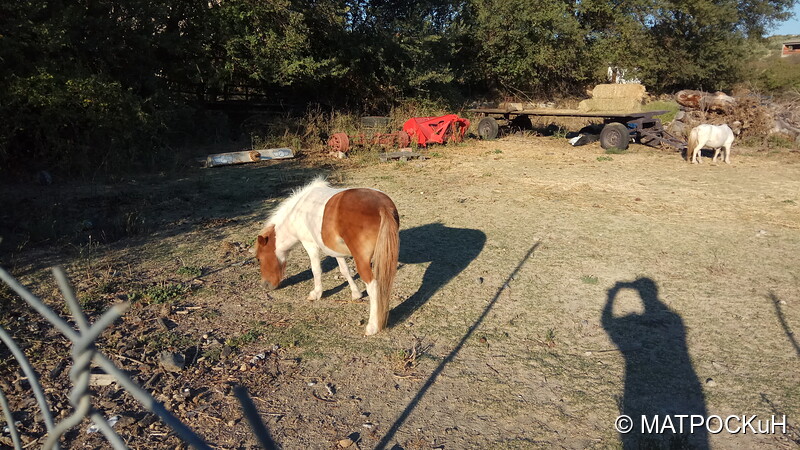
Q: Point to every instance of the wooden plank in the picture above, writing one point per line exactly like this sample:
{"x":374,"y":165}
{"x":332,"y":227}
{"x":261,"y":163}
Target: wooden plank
{"x":224,"y":159}
{"x":403,"y":156}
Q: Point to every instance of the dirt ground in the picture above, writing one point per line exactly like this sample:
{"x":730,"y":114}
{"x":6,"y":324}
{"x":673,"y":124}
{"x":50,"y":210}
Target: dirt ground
{"x":543,"y":291}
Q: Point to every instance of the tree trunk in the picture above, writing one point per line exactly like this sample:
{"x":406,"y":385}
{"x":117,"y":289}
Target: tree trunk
{"x":717,"y":102}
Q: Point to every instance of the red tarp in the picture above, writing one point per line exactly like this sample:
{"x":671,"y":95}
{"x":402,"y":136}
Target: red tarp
{"x":436,"y":129}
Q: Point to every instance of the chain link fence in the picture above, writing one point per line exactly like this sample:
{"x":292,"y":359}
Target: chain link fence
{"x":83,"y":355}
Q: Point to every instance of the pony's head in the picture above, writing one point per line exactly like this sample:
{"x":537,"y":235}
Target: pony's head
{"x":736,"y":127}
{"x":272,"y":264}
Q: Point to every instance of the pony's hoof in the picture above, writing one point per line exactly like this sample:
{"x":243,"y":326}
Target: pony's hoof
{"x":371,"y":330}
{"x":357,"y":295}
{"x":313,"y":296}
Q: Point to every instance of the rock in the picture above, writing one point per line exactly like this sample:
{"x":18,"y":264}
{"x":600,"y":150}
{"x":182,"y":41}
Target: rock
{"x":162,"y":322}
{"x":346,"y":442}
{"x":172,"y":362}
{"x":147,"y":420}
{"x":710,"y":382}
{"x":101,"y":379}
{"x":126,"y":421}
{"x":226,"y":351}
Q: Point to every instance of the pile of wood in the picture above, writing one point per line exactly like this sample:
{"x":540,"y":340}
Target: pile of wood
{"x":751,"y":114}
{"x":787,"y":117}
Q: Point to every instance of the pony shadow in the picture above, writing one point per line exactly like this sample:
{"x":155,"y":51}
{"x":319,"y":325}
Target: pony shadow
{"x":660,"y":380}
{"x":328,"y":263}
{"x":449,"y":251}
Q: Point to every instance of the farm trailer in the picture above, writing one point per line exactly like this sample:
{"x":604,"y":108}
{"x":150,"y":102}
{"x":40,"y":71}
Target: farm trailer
{"x":617,"y":131}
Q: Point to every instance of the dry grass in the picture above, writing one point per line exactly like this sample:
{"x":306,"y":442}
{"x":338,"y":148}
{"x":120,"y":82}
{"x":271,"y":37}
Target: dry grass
{"x":541,"y":369}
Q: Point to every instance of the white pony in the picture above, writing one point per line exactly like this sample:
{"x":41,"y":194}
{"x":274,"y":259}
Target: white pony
{"x":709,"y":136}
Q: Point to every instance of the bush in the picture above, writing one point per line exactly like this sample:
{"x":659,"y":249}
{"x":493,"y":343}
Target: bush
{"x":76,"y":125}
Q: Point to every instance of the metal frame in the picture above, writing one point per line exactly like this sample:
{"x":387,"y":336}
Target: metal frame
{"x":645,"y":127}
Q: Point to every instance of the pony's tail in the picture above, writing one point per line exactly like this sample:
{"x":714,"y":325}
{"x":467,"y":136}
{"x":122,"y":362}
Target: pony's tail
{"x":387,"y":251}
{"x":691,"y":144}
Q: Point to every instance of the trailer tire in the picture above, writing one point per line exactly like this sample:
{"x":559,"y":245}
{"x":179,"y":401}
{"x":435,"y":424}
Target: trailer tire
{"x":488,"y":128}
{"x":615,"y":135}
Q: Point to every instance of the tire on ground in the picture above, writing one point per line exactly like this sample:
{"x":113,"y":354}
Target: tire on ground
{"x":488,"y":128}
{"x":615,"y":135}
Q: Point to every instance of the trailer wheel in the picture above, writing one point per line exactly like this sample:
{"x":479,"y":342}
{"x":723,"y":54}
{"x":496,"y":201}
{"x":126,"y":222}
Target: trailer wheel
{"x":487,"y":128}
{"x":615,"y":135}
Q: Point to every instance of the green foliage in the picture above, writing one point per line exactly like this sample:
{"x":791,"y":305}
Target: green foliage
{"x":95,"y":87}
{"x":775,"y":73}
{"x":190,"y":271}
{"x":589,"y":279}
{"x":247,"y":337}
{"x":530,"y":47}
{"x":672,"y":108}
{"x":75,"y":123}
{"x":165,"y":340}
{"x":161,"y":293}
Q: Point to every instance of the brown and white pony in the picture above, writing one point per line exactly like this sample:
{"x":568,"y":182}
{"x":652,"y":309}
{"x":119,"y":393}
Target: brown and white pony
{"x":362,"y":223}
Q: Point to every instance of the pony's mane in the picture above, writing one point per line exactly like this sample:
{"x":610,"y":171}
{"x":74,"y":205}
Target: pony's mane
{"x":287,"y":205}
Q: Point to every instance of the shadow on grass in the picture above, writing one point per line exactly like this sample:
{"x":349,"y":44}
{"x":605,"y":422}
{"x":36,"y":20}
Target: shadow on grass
{"x":448,"y":250}
{"x":776,"y":303}
{"x":387,"y":438}
{"x":660,"y":380}
{"x":71,"y":220}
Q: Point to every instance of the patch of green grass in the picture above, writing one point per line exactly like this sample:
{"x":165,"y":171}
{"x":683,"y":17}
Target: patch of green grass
{"x":671,"y":107}
{"x":496,"y":151}
{"x":589,"y":279}
{"x":605,"y":158}
{"x":160,"y":293}
{"x":210,"y":314}
{"x":436,"y":155}
{"x":790,"y":202}
{"x":779,"y":141}
{"x":550,"y":337}
{"x":560,"y":133}
{"x":311,"y":354}
{"x":165,"y":340}
{"x":213,"y":354}
{"x":190,"y":271}
{"x":91,"y":302}
{"x":107,"y":287}
{"x":248,"y":337}
{"x":364,"y":156}
{"x":614,"y":151}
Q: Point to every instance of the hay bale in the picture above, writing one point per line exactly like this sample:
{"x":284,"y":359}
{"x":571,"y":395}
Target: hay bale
{"x":624,"y":105}
{"x":631,"y":91}
{"x":614,"y":98}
